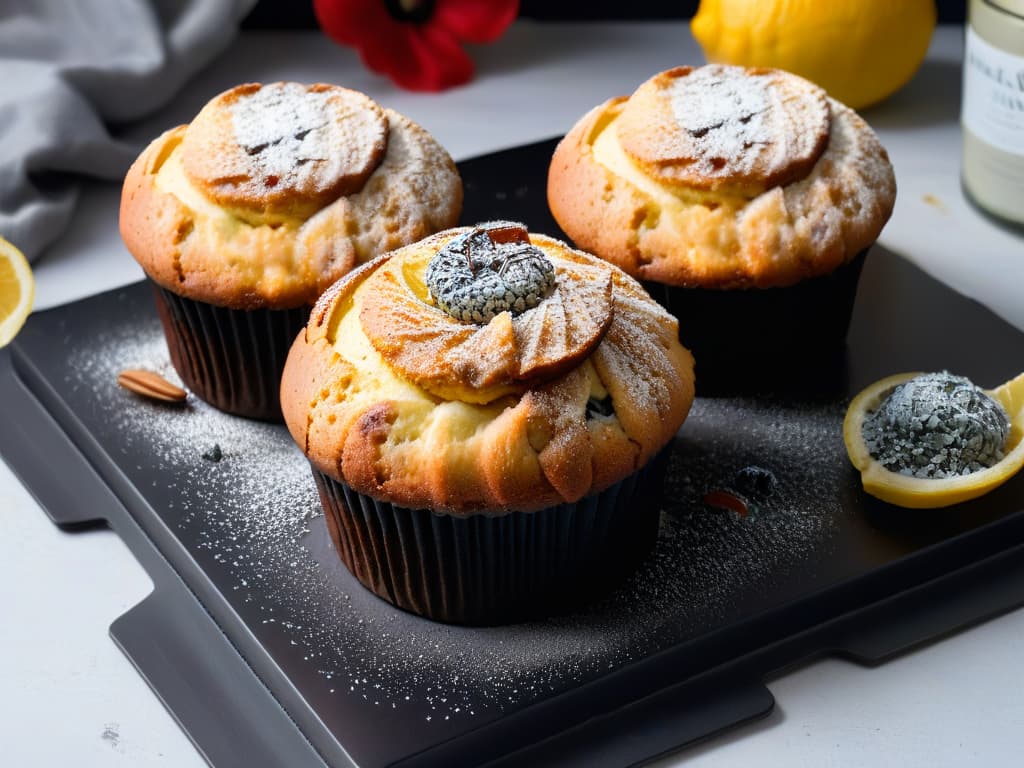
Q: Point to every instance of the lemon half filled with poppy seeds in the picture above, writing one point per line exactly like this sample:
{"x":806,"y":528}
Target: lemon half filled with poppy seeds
{"x":923,"y":482}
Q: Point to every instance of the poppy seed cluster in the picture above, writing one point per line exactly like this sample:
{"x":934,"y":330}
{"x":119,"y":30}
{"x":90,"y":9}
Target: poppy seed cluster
{"x":473,"y":279}
{"x":937,"y":425}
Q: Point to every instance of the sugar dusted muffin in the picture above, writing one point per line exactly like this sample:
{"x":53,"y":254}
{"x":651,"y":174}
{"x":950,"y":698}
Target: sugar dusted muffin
{"x":743,"y":198}
{"x":243,"y":217}
{"x":483,"y":411}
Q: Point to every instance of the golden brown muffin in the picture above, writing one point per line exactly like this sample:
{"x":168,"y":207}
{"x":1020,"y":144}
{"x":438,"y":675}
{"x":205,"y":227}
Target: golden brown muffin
{"x":722,"y":177}
{"x":485,"y":374}
{"x":242,"y":218}
{"x":391,"y":395}
{"x":275,"y":191}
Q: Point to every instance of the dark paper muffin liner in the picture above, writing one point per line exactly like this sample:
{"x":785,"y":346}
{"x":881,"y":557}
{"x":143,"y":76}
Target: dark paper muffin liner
{"x":495,"y":568}
{"x":231,"y":358}
{"x":753,"y":340}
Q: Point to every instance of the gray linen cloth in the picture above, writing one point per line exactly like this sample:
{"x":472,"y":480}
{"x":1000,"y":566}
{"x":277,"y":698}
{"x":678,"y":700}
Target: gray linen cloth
{"x":68,"y":68}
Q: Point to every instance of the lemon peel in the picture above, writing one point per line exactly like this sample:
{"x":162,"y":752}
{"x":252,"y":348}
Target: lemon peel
{"x":930,"y":493}
{"x":17,"y":291}
{"x":859,"y":51}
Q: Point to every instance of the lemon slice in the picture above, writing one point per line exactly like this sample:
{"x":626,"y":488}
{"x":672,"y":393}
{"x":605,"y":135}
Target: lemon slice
{"x":927,"y":493}
{"x":17,"y":288}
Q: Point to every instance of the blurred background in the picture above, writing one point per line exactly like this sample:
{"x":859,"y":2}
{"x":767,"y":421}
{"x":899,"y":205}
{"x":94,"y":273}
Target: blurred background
{"x":287,"y":14}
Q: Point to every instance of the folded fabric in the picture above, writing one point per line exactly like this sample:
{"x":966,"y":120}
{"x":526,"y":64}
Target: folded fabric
{"x":69,"y":68}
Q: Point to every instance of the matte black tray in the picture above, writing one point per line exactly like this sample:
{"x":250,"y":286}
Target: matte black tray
{"x":269,"y":653}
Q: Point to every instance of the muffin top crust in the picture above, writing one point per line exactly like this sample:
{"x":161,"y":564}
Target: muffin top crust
{"x":722,"y":177}
{"x":283,"y":149}
{"x":403,"y":400}
{"x":275,"y":191}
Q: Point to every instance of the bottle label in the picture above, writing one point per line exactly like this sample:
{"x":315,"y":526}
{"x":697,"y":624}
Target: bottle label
{"x":993,"y":104}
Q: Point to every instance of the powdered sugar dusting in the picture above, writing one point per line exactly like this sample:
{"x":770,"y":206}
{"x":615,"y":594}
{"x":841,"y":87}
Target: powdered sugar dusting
{"x":725,"y":112}
{"x":282,"y":126}
{"x":730,"y":128}
{"x":305,"y":140}
{"x":251,"y":518}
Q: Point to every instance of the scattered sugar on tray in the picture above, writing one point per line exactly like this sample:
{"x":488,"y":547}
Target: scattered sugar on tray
{"x":255,"y":517}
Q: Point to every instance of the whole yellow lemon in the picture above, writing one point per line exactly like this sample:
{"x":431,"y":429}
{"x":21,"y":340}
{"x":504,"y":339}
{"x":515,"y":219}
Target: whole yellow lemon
{"x":860,"y":51}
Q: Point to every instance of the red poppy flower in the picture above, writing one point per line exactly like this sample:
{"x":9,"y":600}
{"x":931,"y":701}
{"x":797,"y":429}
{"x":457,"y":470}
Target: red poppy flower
{"x":417,"y":43}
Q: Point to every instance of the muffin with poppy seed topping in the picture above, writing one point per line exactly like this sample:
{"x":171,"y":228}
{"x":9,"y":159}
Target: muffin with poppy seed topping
{"x":483,"y":411}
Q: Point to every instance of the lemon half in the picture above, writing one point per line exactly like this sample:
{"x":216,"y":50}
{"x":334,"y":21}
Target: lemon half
{"x":928,"y":493}
{"x":17,"y":289}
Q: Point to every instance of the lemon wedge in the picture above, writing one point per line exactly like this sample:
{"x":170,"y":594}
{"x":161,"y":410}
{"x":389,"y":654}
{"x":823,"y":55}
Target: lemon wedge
{"x":928,"y":493}
{"x":17,"y":289}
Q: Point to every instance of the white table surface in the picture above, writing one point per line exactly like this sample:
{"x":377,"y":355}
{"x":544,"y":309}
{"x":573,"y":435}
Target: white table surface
{"x":69,"y":698}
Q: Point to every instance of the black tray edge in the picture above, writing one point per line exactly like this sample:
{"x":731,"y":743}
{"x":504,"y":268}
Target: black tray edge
{"x":734,"y":694}
{"x":195,"y":671}
{"x":692,"y":710}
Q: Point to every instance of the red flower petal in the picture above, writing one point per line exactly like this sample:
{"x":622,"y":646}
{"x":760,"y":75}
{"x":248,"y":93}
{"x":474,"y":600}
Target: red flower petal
{"x":476,"y":21}
{"x":393,"y":55}
{"x":355,"y":22}
{"x":418,"y":56}
{"x":442,"y":62}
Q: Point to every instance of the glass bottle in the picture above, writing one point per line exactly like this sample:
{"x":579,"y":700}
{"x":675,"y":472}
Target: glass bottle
{"x":993,"y":108}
